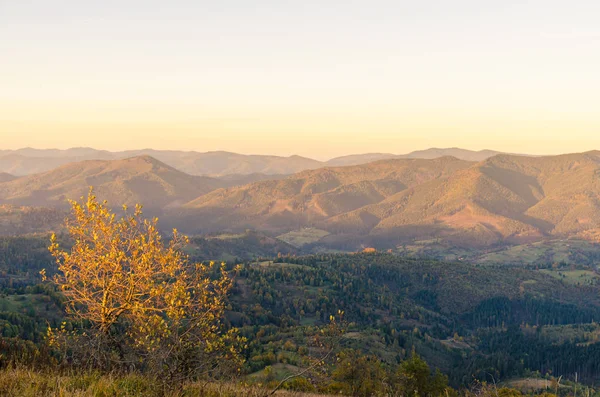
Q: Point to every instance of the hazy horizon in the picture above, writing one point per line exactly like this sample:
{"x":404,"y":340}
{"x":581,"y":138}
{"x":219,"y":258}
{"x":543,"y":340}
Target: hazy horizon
{"x":316,"y":80}
{"x":323,"y":159}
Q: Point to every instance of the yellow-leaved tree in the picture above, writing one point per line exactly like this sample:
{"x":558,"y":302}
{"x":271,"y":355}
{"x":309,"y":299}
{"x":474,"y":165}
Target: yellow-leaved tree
{"x":139,"y":301}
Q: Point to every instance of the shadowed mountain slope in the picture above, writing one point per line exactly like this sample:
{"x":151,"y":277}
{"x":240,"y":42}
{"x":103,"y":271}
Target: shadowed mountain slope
{"x":216,"y":164}
{"x":357,"y":159}
{"x":463,"y":154}
{"x":432,"y":153}
{"x":128,"y":181}
{"x":30,"y":161}
{"x":16,"y":164}
{"x":313,"y":196}
{"x":221,"y":163}
{"x":504,"y":197}
{"x":5,"y":177}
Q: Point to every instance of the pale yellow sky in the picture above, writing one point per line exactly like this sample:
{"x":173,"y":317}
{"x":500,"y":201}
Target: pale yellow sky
{"x":305,"y":78}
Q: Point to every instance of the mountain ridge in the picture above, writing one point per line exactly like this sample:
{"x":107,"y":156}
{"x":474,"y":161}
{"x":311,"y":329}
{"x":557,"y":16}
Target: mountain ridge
{"x":503,"y":199}
{"x":6,"y":177}
{"x":141,"y":179}
{"x":28,"y":161}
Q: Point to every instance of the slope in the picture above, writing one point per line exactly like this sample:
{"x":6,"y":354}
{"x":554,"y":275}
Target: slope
{"x":310,"y":197}
{"x":506,"y":197}
{"x":30,"y":161}
{"x":135,"y":180}
{"x":217,"y":163}
{"x":463,"y":154}
{"x":432,"y":153}
{"x":5,"y":177}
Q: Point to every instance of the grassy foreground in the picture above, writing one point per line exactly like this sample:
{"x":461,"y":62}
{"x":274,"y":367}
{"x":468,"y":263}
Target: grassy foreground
{"x":27,"y":383}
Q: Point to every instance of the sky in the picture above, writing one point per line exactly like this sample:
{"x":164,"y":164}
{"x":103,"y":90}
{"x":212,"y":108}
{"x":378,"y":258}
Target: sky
{"x":314,"y":78}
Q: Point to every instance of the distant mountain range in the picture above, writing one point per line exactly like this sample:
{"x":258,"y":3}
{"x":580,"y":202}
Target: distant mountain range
{"x":503,"y":199}
{"x":140,"y":179}
{"x":311,"y":197}
{"x":5,"y":177}
{"x":215,"y":164}
{"x":433,"y":153}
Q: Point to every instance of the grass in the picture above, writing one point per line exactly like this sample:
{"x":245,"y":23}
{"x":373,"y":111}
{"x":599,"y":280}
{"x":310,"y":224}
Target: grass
{"x":528,"y":253}
{"x":26,"y":383}
{"x":19,"y":382}
{"x":433,"y":248}
{"x":551,"y":251}
{"x":279,"y":371}
{"x":31,"y":305}
{"x":308,"y":321}
{"x":14,"y":303}
{"x":574,"y":277}
{"x":531,"y":384}
{"x":272,"y":264}
{"x":541,"y":252}
{"x":24,"y":303}
{"x":227,"y":236}
{"x":302,"y":237}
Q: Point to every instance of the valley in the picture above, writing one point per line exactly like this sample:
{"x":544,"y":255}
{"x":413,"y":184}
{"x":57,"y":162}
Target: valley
{"x":480,"y":267}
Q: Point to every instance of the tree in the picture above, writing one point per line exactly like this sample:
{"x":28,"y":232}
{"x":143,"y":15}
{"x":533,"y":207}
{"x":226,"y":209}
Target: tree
{"x":326,"y":340}
{"x":359,"y":375}
{"x":414,"y":378}
{"x":145,"y":304}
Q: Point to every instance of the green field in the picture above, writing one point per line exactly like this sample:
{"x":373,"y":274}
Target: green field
{"x":302,"y":237}
{"x":434,"y":248}
{"x":575,"y":277}
{"x":29,"y":304}
{"x":543,"y":252}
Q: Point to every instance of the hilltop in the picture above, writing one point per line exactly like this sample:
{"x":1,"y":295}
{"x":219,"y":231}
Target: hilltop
{"x":313,"y":196}
{"x":219,"y":163}
{"x":5,"y":177}
{"x":432,"y":153}
{"x":506,"y":197}
{"x":215,"y":164}
{"x":503,"y":199}
{"x":140,"y":179}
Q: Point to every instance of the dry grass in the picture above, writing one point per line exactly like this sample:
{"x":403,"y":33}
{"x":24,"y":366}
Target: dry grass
{"x":26,"y":383}
{"x":299,"y":238}
{"x":528,"y":385}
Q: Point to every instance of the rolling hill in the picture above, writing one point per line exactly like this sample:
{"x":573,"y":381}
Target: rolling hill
{"x":216,"y":164}
{"x":134,"y":180}
{"x":463,"y":154}
{"x":310,"y":197}
{"x":357,"y":159}
{"x":503,"y":199}
{"x":245,"y":179}
{"x":5,"y":177}
{"x":432,"y":153}
{"x":30,"y":161}
{"x":19,"y":165}
{"x":220,"y":163}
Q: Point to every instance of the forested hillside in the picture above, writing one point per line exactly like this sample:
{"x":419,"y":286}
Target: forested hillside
{"x":466,"y":320}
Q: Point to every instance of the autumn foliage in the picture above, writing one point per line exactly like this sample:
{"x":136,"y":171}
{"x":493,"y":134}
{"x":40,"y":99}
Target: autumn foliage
{"x":138,"y":300}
